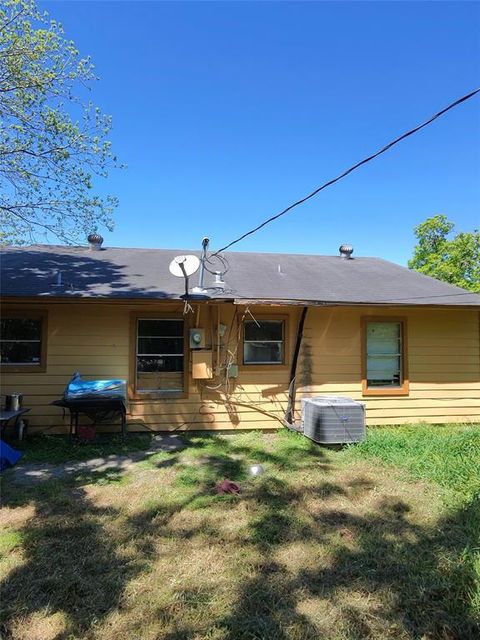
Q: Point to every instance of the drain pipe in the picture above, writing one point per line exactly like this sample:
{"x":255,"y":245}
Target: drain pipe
{"x":289,"y":420}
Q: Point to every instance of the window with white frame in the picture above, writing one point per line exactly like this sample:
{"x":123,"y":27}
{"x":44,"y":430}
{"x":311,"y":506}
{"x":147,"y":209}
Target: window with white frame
{"x":263,"y":342}
{"x":384,"y":354}
{"x":159,"y":355}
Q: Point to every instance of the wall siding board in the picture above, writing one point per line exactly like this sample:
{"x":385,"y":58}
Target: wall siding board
{"x":443,"y":359}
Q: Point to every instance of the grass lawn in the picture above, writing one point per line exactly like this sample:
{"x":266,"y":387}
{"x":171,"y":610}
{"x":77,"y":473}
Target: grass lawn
{"x":375,"y":541}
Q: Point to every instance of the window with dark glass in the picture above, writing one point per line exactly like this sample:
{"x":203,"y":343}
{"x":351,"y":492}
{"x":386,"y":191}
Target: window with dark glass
{"x":21,"y":341}
{"x":159,"y":355}
{"x":263,"y":342}
{"x":384,"y":354}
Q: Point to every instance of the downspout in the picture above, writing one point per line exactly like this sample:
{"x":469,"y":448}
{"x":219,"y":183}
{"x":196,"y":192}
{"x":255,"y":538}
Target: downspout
{"x":289,"y":419}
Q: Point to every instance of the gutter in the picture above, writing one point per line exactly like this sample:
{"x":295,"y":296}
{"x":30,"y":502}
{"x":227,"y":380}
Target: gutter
{"x":332,"y":303}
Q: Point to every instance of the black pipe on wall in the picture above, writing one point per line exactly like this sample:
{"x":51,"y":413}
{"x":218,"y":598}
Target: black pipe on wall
{"x":289,"y":413}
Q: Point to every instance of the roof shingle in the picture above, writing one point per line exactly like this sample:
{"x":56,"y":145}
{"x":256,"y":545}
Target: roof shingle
{"x":143,"y":273}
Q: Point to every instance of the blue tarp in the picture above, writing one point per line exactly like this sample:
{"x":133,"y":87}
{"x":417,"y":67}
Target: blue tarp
{"x":78,"y":388}
{"x":8,"y":456}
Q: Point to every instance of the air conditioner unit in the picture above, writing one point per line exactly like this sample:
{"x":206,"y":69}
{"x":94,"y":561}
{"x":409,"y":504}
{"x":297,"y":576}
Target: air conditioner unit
{"x":333,"y":419}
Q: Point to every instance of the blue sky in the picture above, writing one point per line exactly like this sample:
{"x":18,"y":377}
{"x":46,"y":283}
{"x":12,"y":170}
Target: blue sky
{"x":227,"y":112}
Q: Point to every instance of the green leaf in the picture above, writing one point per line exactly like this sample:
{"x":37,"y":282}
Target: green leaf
{"x":54,"y":144}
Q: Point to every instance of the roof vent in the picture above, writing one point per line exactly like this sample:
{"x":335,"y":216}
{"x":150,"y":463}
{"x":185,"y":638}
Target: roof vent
{"x":95,"y":241}
{"x":346,"y":251}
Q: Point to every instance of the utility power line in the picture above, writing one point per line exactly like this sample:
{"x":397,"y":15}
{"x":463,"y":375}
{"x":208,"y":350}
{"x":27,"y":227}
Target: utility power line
{"x":345,"y":173}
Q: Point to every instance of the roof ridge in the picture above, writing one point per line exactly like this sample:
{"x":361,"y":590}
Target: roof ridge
{"x":185,"y":250}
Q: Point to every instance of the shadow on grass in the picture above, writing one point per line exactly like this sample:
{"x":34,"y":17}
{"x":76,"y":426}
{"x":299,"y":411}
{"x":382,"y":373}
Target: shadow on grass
{"x":71,"y":565}
{"x":420,"y":578}
{"x":429,"y":573}
{"x":56,"y":449}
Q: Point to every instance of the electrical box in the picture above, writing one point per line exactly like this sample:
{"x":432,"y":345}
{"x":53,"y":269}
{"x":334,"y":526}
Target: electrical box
{"x":197,"y":338}
{"x":233,"y":371}
{"x":202,"y":365}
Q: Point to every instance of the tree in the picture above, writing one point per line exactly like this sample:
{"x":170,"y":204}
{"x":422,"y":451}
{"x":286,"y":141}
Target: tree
{"x":53,"y":140}
{"x":453,"y":259}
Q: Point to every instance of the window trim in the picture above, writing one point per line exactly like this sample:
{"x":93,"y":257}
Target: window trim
{"x":266,"y":366}
{"x":34,"y":314}
{"x":404,"y":388}
{"x":159,"y":394}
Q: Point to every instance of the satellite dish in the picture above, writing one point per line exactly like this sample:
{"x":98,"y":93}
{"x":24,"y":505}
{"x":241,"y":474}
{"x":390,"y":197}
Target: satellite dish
{"x":184,"y":266}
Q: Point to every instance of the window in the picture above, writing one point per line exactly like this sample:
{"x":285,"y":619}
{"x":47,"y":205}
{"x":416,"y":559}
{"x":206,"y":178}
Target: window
{"x":23,"y":341}
{"x":384,"y":357}
{"x":159,"y":355}
{"x":263,"y":342}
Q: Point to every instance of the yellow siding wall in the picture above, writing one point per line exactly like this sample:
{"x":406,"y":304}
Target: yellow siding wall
{"x":443,"y":363}
{"x":93,"y":338}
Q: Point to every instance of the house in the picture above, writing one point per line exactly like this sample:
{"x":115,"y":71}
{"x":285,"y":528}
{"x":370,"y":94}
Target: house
{"x":274,"y":326}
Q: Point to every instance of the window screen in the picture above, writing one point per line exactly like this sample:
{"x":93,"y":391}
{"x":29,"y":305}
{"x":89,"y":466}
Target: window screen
{"x":21,"y":341}
{"x":384,"y":354}
{"x":159,"y":355}
{"x":263,"y":342}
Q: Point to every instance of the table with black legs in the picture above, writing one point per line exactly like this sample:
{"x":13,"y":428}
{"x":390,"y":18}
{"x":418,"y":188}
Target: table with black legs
{"x":97,"y":409}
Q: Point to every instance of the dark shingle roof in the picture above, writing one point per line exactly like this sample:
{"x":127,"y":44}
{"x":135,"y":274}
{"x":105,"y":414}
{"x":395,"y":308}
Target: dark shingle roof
{"x":143,"y":273}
